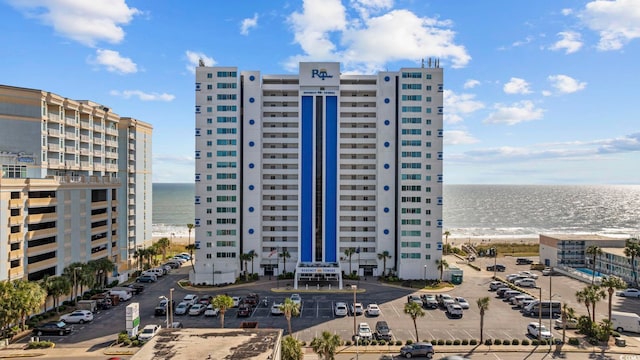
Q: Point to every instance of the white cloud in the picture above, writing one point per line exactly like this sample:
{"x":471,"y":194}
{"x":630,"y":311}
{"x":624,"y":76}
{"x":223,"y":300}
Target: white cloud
{"x":248,"y":23}
{"x":566,"y":12}
{"x":526,"y":41}
{"x":617,"y":21}
{"x":87,"y":22}
{"x":517,"y":86}
{"x":570,"y":41}
{"x":546,"y":93}
{"x":471,"y":83}
{"x":516,"y":113}
{"x":366,"y":7}
{"x":367,"y":43}
{"x":193,"y":60}
{"x":566,"y":84}
{"x":458,"y":137}
{"x":143,"y":96}
{"x":456,"y":106}
{"x":114,"y":62}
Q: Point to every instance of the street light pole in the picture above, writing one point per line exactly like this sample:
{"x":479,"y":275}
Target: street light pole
{"x":171,"y":306}
{"x":355,"y":333}
{"x":167,"y":311}
{"x":550,"y":307}
{"x":425,"y":275}
{"x":213,"y":274}
{"x":495,"y":262}
{"x":540,"y":314}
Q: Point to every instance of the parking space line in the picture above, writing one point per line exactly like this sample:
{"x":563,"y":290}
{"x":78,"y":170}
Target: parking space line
{"x":469,"y":334}
{"x":317,"y":309}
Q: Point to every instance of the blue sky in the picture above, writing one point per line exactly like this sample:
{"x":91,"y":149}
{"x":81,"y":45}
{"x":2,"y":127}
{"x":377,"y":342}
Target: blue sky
{"x":537,"y":92}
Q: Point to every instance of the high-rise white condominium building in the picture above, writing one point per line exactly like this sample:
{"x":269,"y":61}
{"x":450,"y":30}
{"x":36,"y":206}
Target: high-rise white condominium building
{"x":75,"y":184}
{"x":296,"y":170}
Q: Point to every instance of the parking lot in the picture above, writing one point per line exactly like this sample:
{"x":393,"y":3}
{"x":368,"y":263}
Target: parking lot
{"x":501,"y":321}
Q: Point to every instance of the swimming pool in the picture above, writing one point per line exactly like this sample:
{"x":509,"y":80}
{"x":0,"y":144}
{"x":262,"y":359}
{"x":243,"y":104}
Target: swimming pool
{"x":588,"y":271}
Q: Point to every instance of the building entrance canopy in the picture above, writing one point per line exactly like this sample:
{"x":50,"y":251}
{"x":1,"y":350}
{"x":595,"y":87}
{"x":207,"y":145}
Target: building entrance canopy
{"x":318,"y":272}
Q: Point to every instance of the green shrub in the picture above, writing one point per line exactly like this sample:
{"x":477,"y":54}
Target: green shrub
{"x":515,"y":342}
{"x":497,"y":342}
{"x":488,"y":342}
{"x":127,"y":342}
{"x":374,"y":342}
{"x":348,"y":343}
{"x":574,"y":341}
{"x":40,"y":345}
{"x":136,"y":343}
{"x":525,"y":342}
{"x":434,"y":342}
{"x":615,"y":334}
{"x":448,"y":342}
{"x":506,"y":342}
{"x":535,"y":342}
{"x":382,"y":342}
{"x":398,"y":343}
{"x":465,"y":342}
{"x":473,"y":342}
{"x":440,"y":342}
{"x":122,"y":338}
{"x":456,"y":342}
{"x":409,"y":342}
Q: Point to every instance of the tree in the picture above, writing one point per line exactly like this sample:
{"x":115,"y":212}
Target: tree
{"x":191,"y":248}
{"x":384,"y":256}
{"x":245,"y":258}
{"x":56,"y":286}
{"x":414,"y":311}
{"x":222,"y":303}
{"x":101,"y":268}
{"x":284,"y":255}
{"x":291,"y":349}
{"x":253,"y":255}
{"x":29,"y":297}
{"x":590,"y":296}
{"x":567,"y":314}
{"x":446,"y":240}
{"x":348,"y":252}
{"x":632,"y":251}
{"x":289,"y":309}
{"x":483,"y":306}
{"x":325,"y":345}
{"x":611,"y":283}
{"x":442,"y":264}
{"x":582,"y":298}
{"x":595,"y":251}
{"x":163,"y":244}
{"x":71,"y":273}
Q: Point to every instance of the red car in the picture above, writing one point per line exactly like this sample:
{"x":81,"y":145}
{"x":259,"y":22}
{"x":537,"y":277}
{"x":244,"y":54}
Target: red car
{"x":244,"y":310}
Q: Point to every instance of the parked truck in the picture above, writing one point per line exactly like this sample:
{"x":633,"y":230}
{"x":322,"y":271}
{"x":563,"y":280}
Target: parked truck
{"x":625,"y":321}
{"x":90,"y":305}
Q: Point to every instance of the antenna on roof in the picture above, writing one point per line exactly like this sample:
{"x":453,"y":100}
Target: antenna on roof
{"x":423,"y":63}
{"x":201,"y":62}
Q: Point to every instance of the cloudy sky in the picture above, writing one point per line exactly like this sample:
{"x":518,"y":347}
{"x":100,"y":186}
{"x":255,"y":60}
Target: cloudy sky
{"x":537,"y":92}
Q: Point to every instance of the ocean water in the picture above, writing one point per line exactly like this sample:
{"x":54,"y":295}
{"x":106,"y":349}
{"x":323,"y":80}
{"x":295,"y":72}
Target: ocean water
{"x":477,"y":211}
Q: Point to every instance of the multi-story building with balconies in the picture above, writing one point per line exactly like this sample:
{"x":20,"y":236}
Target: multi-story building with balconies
{"x":75,"y":184}
{"x":297,"y":169}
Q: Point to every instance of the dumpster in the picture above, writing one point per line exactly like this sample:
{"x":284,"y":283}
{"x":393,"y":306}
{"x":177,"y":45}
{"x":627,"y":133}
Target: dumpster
{"x":456,"y":279}
{"x":621,"y":342}
{"x":115,"y":299}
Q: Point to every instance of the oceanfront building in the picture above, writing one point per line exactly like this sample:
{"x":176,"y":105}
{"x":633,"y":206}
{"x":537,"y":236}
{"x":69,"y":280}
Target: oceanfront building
{"x":75,"y":184}
{"x":294,"y":170}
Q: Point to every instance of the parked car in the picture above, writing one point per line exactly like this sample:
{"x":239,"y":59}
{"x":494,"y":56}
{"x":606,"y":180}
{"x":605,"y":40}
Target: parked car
{"x":528,"y":282}
{"x":191,"y":299}
{"x":356,"y":309}
{"x":534,"y":328}
{"x":383,"y":332}
{"x":77,"y":317}
{"x":53,"y":327}
{"x":146,"y":279}
{"x":296,"y":299}
{"x":176,"y":325}
{"x":444,"y":300}
{"x":136,"y":288}
{"x":181,"y":309}
{"x":429,"y":301}
{"x":244,"y":310}
{"x":454,"y":310}
{"x":414,"y":298}
{"x":373,"y":310}
{"x":499,"y":267}
{"x":236,"y":300}
{"x":523,"y":261}
{"x":462,"y":302}
{"x":210,"y":311}
{"x":341,"y":309}
{"x":417,"y":349}
{"x":571,"y":324}
{"x":252,"y":299}
{"x":197,"y":309}
{"x":495,"y":285}
{"x":548,"y":272}
{"x":148,"y":332}
{"x":529,"y":274}
{"x":364,"y":331}
{"x":629,"y":293}
{"x":276,"y":309}
{"x":517,"y":300}
{"x":500,"y":292}
{"x":161,"y":309}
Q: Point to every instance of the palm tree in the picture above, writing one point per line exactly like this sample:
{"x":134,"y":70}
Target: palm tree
{"x":101,"y":268}
{"x":245,"y":258}
{"x":56,"y":286}
{"x":595,"y":251}
{"x":632,"y":251}
{"x":442,"y":264}
{"x":29,"y":297}
{"x":289,"y":309}
{"x":71,"y":273}
{"x":163,"y":244}
{"x":414,"y":311}
{"x":567,"y":314}
{"x":253,"y":255}
{"x":384,"y":256}
{"x":325,"y":345}
{"x":191,"y":248}
{"x":611,"y":283}
{"x":446,"y":242}
{"x":583,"y":298}
{"x":483,"y":306}
{"x":222,"y":303}
{"x":348,"y":252}
{"x":284,"y":255}
{"x":590,"y":296}
{"x":291,"y":349}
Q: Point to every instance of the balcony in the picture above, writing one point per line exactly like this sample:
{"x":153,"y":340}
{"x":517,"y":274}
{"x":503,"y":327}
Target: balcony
{"x":42,"y":249}
{"x":98,"y":128}
{"x":99,"y":254}
{"x":70,"y":120}
{"x":53,"y":147}
{"x":111,"y":143}
{"x":53,"y":132}
{"x":112,"y":131}
{"x":98,"y":153}
{"x":99,"y":229}
{"x":42,"y":202}
{"x":15,"y":237}
{"x":85,"y":164}
{"x":98,"y":167}
{"x":41,"y":265}
{"x":16,"y":273}
{"x":70,"y":136}
{"x":37,"y":234}
{"x":97,"y":140}
{"x":86,"y":152}
{"x":132,"y":135}
{"x":111,"y":154}
{"x":112,"y":167}
{"x":54,"y":118}
{"x":70,"y":149}
{"x":15,"y":203}
{"x":131,"y":201}
{"x":85,"y":125}
{"x":15,"y":220}
{"x":99,"y":217}
{"x":99,"y":204}
{"x":53,"y":162}
{"x":35,"y":219}
{"x":85,"y":138}
{"x":70,"y":163}
{"x":132,"y":169}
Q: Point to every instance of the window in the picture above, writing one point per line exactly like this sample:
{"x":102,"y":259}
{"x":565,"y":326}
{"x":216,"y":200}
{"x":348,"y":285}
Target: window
{"x":227,"y":74}
{"x":411,"y":109}
{"x":411,"y":86}
{"x":226,"y":108}
{"x":226,"y":85}
{"x":428,"y":76}
{"x":209,"y":98}
{"x":209,"y":87}
{"x":14,"y":171}
{"x":412,"y":75}
{"x":209,"y":76}
{"x":412,"y":97}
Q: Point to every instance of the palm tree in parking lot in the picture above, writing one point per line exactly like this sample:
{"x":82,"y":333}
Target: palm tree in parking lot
{"x":567,"y":313}
{"x":289,"y":309}
{"x":611,"y":283}
{"x":325,"y":345}
{"x":632,"y":251}
{"x":595,"y":251}
{"x":222,"y":303}
{"x":483,"y":306}
{"x":442,"y":264}
{"x":414,"y":311}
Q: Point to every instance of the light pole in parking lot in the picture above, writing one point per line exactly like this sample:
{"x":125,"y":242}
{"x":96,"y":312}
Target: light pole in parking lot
{"x":171,"y":306}
{"x":354,"y":287}
{"x":166,"y":308}
{"x":425,"y":275}
{"x":495,"y":261}
{"x":550,"y":309}
{"x":539,"y":312}
{"x":357,"y":340}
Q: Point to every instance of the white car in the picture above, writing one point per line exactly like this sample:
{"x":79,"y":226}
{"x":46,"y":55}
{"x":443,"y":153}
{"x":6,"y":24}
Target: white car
{"x":197,"y":309}
{"x":364,"y":331}
{"x":533,"y":329}
{"x":629,"y":293}
{"x":373,"y":310}
{"x":571,"y":324}
{"x":462,"y":302}
{"x":77,"y":317}
{"x":236,"y":300}
{"x":276,"y":309}
{"x":341,"y":309}
{"x":529,"y":274}
{"x":357,"y":309}
{"x":148,"y":332}
{"x":454,"y":310}
{"x":181,"y":309}
{"x":211,"y":311}
{"x":191,"y":299}
{"x":296,"y":299}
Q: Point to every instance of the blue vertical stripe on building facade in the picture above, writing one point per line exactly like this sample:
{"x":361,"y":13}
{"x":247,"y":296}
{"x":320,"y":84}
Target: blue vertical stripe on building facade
{"x":331,"y":180}
{"x":307,"y":228}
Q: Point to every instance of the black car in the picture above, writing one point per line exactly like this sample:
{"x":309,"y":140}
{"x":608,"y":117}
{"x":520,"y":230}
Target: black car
{"x":146,"y":278}
{"x":136,"y":288}
{"x":382,"y":331}
{"x":499,"y":267}
{"x":53,"y":327}
{"x":161,"y":309}
{"x":523,"y":261}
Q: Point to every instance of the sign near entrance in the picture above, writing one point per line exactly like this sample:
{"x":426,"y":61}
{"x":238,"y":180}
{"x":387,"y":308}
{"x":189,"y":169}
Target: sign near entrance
{"x":132,"y":317}
{"x":318,"y":270}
